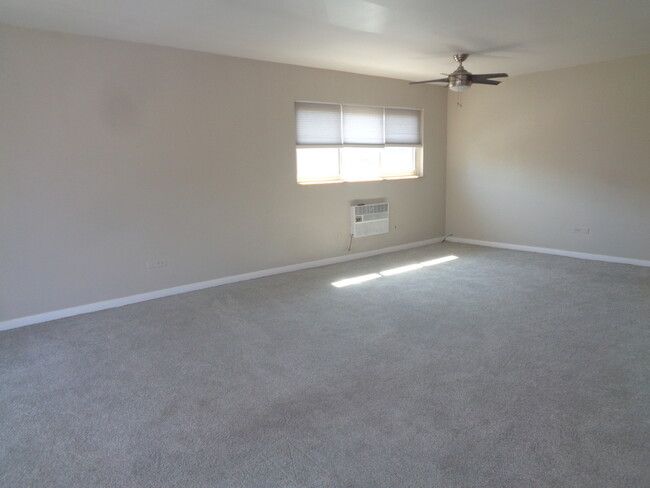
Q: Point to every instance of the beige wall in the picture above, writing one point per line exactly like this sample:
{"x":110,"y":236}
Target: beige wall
{"x":113,"y":154}
{"x":534,"y":158}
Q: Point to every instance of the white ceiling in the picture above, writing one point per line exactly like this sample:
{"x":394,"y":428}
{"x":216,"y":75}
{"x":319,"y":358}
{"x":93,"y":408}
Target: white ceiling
{"x":410,"y":39}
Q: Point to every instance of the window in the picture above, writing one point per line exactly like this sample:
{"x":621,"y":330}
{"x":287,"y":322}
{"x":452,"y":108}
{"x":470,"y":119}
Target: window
{"x":336,"y":143}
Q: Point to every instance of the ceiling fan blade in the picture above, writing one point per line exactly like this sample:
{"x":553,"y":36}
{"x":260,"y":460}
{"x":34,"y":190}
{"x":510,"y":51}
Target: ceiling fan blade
{"x":441,"y":80}
{"x":491,"y":75}
{"x":484,"y":82}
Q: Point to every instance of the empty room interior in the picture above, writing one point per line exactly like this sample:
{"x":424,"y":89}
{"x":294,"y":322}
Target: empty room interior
{"x":327,"y":243}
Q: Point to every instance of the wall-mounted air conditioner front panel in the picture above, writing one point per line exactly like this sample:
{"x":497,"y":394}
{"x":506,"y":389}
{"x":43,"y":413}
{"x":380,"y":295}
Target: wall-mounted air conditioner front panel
{"x":369,"y":219}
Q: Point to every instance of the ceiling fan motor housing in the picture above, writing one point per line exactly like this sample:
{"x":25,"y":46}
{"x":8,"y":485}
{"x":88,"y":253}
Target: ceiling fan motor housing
{"x":460,"y":80}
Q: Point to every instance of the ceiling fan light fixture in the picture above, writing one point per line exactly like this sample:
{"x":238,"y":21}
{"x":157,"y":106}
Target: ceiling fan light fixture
{"x":459,"y":87}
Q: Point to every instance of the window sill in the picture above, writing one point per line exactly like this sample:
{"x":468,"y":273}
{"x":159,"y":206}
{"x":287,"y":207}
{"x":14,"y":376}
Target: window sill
{"x":388,"y":178}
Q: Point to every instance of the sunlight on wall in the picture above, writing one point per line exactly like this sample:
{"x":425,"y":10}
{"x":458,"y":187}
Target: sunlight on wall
{"x":392,"y":271}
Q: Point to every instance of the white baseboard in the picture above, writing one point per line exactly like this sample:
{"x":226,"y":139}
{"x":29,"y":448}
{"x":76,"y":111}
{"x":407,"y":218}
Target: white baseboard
{"x":151,"y":295}
{"x":557,"y":252}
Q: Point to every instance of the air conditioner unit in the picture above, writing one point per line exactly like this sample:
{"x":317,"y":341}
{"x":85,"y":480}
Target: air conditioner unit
{"x":369,"y":219}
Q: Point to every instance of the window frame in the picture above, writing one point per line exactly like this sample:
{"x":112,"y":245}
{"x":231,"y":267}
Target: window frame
{"x":418,"y":171}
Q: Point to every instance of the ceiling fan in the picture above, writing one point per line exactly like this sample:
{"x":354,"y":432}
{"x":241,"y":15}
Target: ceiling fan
{"x":461,"y":79}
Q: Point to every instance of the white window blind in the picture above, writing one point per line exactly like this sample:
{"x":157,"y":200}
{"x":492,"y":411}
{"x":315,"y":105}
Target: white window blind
{"x":363,"y":125}
{"x":318,"y":124}
{"x":403,"y":126}
{"x":329,"y":124}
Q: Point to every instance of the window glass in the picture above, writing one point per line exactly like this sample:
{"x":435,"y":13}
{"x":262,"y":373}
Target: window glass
{"x":398,"y":161}
{"x":360,"y":163}
{"x":317,"y":164}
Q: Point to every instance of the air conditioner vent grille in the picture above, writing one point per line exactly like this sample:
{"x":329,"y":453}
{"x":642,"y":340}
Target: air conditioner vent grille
{"x":371,"y":208}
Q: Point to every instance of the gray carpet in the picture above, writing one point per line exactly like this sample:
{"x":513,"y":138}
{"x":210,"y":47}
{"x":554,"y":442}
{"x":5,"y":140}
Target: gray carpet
{"x":498,"y":369}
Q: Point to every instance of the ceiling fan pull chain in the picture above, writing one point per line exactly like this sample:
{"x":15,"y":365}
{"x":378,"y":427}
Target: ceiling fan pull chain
{"x":459,"y":101}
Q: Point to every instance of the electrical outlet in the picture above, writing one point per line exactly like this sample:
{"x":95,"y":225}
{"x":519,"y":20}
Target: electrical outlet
{"x":155,"y":263}
{"x":581,"y":230}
